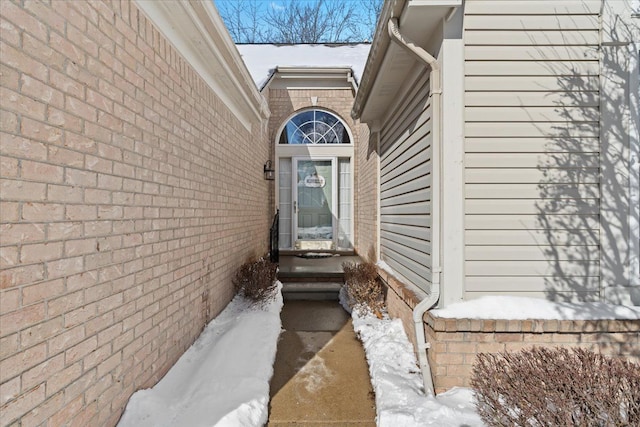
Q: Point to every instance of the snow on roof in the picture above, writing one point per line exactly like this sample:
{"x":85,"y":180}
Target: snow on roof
{"x":520,"y":308}
{"x":262,"y":59}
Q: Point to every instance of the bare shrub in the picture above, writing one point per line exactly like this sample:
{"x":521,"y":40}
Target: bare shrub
{"x":256,"y":280}
{"x":364,"y":288}
{"x":556,"y":387}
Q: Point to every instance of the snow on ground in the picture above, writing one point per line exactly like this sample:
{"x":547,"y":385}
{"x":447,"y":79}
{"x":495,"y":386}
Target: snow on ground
{"x":508,"y":307}
{"x":397,"y":380}
{"x":262,"y":59}
{"x":223,"y":378}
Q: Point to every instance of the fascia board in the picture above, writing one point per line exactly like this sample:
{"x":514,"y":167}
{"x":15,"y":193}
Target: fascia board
{"x":204,"y":47}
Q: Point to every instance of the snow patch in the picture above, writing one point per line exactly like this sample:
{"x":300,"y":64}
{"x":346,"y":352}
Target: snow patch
{"x":520,"y":308}
{"x":222,"y":379}
{"x":397,"y":381}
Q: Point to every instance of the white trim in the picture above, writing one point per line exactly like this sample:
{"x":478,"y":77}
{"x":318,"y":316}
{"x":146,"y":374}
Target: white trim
{"x":634,"y":145}
{"x":377,"y":195}
{"x":452,"y":166}
{"x":318,"y":150}
{"x":199,"y":35}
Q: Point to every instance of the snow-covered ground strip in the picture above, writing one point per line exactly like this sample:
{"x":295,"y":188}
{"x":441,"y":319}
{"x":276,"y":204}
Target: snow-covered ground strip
{"x":397,"y":381}
{"x":222,"y":379}
{"x":508,"y":307}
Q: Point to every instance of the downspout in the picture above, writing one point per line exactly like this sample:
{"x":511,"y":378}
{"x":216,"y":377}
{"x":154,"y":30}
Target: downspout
{"x":434,"y":293}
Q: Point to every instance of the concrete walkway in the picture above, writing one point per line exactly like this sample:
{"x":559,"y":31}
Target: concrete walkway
{"x":320,"y":375}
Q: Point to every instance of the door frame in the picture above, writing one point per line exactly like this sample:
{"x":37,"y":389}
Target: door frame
{"x":334,"y":196}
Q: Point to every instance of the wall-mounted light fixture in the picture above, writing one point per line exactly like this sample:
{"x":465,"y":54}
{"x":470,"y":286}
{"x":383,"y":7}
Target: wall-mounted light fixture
{"x":269,"y":172}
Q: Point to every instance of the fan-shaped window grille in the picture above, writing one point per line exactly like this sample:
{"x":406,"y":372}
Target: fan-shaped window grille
{"x":314,"y":127}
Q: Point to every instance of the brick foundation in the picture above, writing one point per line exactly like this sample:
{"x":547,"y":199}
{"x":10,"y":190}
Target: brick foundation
{"x":456,"y":342}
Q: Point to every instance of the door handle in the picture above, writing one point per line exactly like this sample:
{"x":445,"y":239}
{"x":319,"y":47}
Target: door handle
{"x":295,"y":207}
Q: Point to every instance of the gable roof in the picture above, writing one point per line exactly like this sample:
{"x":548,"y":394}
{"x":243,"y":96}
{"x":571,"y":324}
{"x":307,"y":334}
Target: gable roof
{"x":263,"y":59}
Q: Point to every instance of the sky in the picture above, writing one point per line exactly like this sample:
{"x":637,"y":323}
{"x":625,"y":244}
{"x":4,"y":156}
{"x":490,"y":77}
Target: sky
{"x":365,"y":22}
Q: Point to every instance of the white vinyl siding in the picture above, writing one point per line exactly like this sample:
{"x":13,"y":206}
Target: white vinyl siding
{"x":531,"y":148}
{"x":405,"y":186}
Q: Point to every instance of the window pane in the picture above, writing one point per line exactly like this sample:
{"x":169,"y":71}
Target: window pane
{"x":314,"y":127}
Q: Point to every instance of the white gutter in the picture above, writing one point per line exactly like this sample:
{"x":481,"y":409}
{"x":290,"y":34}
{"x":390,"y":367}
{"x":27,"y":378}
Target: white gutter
{"x":434,"y":293}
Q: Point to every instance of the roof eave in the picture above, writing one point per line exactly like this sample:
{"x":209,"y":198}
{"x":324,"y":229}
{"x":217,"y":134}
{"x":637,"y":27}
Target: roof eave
{"x":388,"y":64}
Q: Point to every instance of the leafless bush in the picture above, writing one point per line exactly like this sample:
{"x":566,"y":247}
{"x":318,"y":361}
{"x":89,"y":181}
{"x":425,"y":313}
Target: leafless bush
{"x":363,"y":287}
{"x":556,"y":387}
{"x":256,"y":279}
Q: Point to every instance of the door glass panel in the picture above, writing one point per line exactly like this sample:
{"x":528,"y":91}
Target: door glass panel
{"x":315,"y":219}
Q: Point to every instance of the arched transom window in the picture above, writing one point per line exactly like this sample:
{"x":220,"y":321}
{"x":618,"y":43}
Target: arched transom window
{"x":314,"y":127}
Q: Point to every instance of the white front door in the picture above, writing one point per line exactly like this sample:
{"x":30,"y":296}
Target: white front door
{"x":314,"y":202}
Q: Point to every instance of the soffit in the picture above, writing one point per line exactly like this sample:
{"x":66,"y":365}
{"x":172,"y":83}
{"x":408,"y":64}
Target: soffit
{"x":389,"y":64}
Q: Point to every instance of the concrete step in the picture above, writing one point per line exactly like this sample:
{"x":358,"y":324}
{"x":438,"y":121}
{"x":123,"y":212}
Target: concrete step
{"x":310,"y":277}
{"x":313,"y":290}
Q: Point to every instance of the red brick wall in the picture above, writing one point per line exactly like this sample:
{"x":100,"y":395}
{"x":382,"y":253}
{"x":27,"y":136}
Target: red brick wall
{"x":129,"y":195}
{"x":366,"y":194}
{"x":456,"y":342}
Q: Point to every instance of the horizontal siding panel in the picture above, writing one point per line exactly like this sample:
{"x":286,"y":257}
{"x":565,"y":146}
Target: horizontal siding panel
{"x":527,"y":38}
{"x":530,"y":206}
{"x":530,"y":22}
{"x":542,"y":83}
{"x":420,"y":161}
{"x":405,"y":185}
{"x":422,"y":280}
{"x":530,"y":284}
{"x":415,"y":197}
{"x":530,"y":68}
{"x":416,"y":220}
{"x":393,"y":239}
{"x":407,"y":117}
{"x":416,"y":144}
{"x":532,"y":99}
{"x":420,"y":232}
{"x":546,"y":129}
{"x":535,"y":221}
{"x":531,"y":237}
{"x":422,"y":171}
{"x":562,"y":296}
{"x":527,"y":253}
{"x":523,"y":176}
{"x":531,"y":53}
{"x":421,"y":208}
{"x":532,"y":160}
{"x":416,"y":261}
{"x":408,"y":187}
{"x":532,"y":268}
{"x":419,"y":127}
{"x":532,"y":7}
{"x":532,"y":145}
{"x":533,"y":114}
{"x":531,"y":191}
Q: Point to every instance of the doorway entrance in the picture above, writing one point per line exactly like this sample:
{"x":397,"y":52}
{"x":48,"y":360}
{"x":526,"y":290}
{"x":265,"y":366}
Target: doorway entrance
{"x":314,"y":182}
